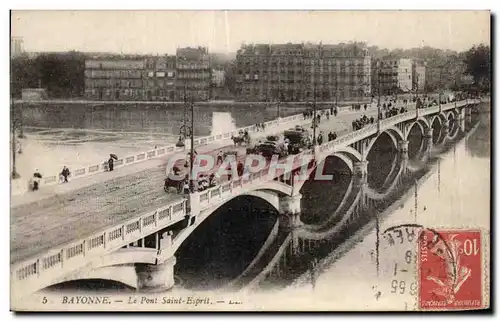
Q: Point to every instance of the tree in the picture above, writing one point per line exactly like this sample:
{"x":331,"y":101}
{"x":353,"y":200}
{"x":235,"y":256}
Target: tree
{"x":478,"y":64}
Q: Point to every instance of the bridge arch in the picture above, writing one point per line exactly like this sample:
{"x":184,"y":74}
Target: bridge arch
{"x":272,"y":198}
{"x":347,"y":151}
{"x":272,"y":186}
{"x":124,"y":274}
{"x":389,"y":185}
{"x":347,"y":155}
{"x":420,"y":125}
{"x":424,"y":122}
{"x":435,"y":118}
{"x":442,"y":117}
{"x":451,"y":115}
{"x":394,"y":133}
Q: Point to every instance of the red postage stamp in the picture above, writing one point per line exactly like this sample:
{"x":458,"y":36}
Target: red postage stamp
{"x":450,"y":269}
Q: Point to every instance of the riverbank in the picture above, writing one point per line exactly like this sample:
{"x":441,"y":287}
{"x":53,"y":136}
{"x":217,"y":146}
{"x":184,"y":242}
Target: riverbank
{"x":212,"y":103}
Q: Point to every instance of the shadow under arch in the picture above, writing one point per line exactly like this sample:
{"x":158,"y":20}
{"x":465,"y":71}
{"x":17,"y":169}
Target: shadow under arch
{"x":331,"y":193}
{"x":389,"y":185}
{"x":223,"y":245}
{"x":92,"y":284}
{"x":437,"y":130}
{"x":416,"y":139}
{"x":393,"y":133}
{"x":382,"y":160}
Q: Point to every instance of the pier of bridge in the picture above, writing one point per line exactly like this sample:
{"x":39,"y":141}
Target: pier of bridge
{"x":143,"y":231}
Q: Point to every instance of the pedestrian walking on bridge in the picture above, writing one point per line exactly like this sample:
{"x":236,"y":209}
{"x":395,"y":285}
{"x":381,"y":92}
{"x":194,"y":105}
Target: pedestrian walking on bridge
{"x":65,"y":174}
{"x":111,"y":164}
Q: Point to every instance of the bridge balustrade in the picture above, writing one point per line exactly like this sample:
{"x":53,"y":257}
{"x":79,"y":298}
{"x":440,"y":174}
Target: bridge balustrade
{"x":78,"y":253}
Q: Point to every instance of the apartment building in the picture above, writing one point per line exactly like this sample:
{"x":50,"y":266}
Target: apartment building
{"x":390,"y":76}
{"x":151,"y":78}
{"x":109,"y":79}
{"x":16,"y":46}
{"x":193,"y":73}
{"x":418,"y":75}
{"x":159,"y":78}
{"x":300,"y":72}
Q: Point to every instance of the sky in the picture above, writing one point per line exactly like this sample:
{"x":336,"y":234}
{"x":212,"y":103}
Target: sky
{"x":225,"y":31}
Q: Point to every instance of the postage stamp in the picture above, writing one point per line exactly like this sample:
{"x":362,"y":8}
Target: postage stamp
{"x":450,"y":269}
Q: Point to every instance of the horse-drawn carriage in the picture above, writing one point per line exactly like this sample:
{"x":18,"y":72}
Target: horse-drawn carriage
{"x":299,"y":139}
{"x":270,"y":148}
{"x":176,"y":180}
{"x":242,"y":138}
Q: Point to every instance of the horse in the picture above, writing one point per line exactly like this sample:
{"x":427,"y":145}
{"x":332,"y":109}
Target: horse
{"x":238,"y":140}
{"x":177,"y":184}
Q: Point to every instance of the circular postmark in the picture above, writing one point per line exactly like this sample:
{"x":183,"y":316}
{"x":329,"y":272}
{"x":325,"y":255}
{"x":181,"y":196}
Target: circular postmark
{"x":399,"y":251}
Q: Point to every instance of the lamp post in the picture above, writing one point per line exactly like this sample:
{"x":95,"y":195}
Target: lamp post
{"x":455,"y":96}
{"x":336,"y":90}
{"x":183,"y":131}
{"x":13,"y":124}
{"x":21,"y":122}
{"x":440,"y":85}
{"x":192,"y":158}
{"x":187,"y":130}
{"x":378,"y":101}
{"x":314,"y":117}
{"x":278,"y":99}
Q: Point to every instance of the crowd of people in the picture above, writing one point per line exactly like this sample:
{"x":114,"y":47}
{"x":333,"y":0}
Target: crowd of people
{"x":359,"y":106}
{"x":260,"y":127}
{"x":331,"y":136}
{"x":309,"y":114}
{"x":390,"y":112}
{"x":362,"y":122}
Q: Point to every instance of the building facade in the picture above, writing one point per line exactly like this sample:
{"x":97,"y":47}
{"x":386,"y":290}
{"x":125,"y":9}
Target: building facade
{"x":218,"y":78}
{"x":418,"y":75}
{"x":114,"y":79}
{"x":16,"y":46}
{"x":151,"y":78}
{"x":159,"y":78}
{"x":301,"y":72}
{"x":194,"y":75}
{"x":391,"y":76}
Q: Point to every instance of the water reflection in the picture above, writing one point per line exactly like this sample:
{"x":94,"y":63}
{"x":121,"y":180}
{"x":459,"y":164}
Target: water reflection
{"x":479,"y":144}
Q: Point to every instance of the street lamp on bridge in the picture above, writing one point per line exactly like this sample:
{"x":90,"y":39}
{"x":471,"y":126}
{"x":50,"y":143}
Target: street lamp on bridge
{"x":314,"y":122}
{"x":185,"y":131}
{"x":15,"y":122}
{"x":379,"y":115}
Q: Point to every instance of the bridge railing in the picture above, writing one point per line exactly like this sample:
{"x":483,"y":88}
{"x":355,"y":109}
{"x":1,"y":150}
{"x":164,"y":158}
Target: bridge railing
{"x":78,"y":253}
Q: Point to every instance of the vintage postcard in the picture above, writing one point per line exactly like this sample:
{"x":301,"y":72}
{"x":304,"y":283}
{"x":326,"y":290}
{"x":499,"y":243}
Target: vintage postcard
{"x":250,"y":160}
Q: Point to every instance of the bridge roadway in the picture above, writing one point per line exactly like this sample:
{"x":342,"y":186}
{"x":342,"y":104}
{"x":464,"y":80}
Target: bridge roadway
{"x":40,"y":221}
